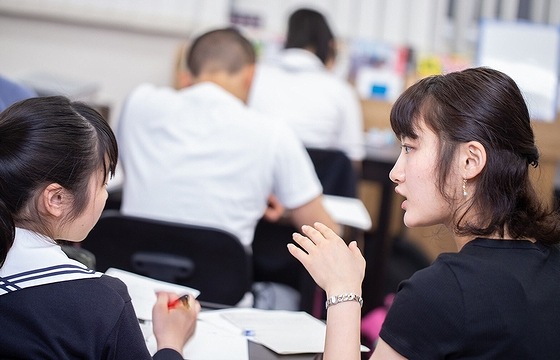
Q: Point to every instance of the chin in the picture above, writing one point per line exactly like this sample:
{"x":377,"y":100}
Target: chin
{"x":411,"y":222}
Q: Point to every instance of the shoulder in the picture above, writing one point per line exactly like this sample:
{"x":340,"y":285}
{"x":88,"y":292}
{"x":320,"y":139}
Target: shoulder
{"x":438,"y":277}
{"x":115,"y":285}
{"x":427,"y":312}
{"x":143,"y":89}
{"x":99,"y":295}
{"x":149,"y":93}
{"x":146,"y":101}
{"x":106,"y":287}
{"x":270,"y":123}
{"x":434,"y":289}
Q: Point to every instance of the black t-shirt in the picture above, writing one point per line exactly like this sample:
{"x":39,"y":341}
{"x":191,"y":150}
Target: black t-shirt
{"x":495,"y":299}
{"x":77,"y":319}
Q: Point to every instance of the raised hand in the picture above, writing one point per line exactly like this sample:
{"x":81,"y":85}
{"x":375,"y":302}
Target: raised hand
{"x":336,"y":267}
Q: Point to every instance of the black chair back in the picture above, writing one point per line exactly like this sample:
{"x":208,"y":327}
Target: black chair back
{"x":210,"y":260}
{"x":335,"y":171}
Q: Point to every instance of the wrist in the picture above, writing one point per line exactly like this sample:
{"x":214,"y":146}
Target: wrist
{"x":334,"y":291}
{"x":343,"y":297}
{"x":172,"y":345}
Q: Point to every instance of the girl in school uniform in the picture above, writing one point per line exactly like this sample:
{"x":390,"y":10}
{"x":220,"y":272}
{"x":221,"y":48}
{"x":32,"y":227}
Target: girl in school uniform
{"x":55,"y":159}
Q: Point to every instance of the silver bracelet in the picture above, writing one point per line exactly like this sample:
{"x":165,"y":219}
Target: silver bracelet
{"x":333,"y":300}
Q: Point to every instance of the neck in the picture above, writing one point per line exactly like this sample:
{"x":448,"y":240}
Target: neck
{"x":235,"y":83}
{"x":461,"y":241}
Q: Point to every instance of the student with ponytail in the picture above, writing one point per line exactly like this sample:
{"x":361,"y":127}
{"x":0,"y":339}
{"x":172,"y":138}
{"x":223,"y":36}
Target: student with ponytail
{"x":55,"y":159}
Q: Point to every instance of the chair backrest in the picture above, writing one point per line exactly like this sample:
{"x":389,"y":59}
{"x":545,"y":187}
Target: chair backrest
{"x":210,"y":260}
{"x":335,"y":171}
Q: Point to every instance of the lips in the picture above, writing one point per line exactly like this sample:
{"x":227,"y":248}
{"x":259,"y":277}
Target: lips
{"x":403,"y":204}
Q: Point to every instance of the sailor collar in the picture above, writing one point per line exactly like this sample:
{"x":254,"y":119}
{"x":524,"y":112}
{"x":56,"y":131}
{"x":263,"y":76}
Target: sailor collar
{"x":34,"y":260}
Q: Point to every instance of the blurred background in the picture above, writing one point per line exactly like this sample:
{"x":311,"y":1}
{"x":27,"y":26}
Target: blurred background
{"x":101,"y":49}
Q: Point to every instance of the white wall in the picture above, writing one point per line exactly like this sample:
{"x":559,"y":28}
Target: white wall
{"x":116,"y":60}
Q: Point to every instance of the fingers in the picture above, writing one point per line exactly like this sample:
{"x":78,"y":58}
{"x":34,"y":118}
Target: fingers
{"x":319,"y":232}
{"x":303,"y":241}
{"x":194,"y":304}
{"x":314,"y":236}
{"x":162,"y":299}
{"x":312,"y":233}
{"x":297,"y":252}
{"x":180,"y":301}
{"x":326,"y":231}
{"x":353,"y":246}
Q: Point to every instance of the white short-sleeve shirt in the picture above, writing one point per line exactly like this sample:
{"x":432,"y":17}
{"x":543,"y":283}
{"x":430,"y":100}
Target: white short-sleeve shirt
{"x":322,"y":109}
{"x":201,"y":156}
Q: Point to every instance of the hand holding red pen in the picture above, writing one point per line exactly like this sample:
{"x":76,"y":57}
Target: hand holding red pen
{"x":184,"y":300}
{"x":174,"y":320}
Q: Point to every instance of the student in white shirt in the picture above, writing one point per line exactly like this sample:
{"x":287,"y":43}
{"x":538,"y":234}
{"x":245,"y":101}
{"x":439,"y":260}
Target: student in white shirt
{"x":199,"y":155}
{"x":298,"y":87}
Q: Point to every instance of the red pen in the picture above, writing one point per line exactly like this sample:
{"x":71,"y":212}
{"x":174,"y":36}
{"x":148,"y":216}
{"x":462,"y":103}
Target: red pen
{"x":183,"y":299}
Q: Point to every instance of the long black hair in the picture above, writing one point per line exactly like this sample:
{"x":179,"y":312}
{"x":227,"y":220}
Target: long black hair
{"x":48,"y":140}
{"x":484,"y":105}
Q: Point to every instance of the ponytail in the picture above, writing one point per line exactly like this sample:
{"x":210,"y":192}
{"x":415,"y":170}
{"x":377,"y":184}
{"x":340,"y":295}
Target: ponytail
{"x":7,"y":232}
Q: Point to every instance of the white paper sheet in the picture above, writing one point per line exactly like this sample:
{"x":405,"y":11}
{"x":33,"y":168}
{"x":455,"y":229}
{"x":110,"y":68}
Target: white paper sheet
{"x":347,"y":211}
{"x":284,"y":332}
{"x":143,"y":289}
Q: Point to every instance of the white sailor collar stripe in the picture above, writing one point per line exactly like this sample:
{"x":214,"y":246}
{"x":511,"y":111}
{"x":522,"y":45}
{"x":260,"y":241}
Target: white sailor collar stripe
{"x":43,"y":276}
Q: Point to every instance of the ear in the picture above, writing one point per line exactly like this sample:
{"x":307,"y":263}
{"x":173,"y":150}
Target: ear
{"x":243,"y":82}
{"x":249,"y":75}
{"x":184,"y":79}
{"x":472,"y":156}
{"x":54,"y":199}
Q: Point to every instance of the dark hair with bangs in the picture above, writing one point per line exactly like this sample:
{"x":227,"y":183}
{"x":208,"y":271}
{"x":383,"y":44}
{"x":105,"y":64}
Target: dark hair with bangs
{"x":484,"y":105}
{"x":47,"y":140}
{"x":308,"y":28}
{"x":221,"y":49}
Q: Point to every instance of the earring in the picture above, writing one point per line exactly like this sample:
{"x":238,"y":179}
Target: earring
{"x":465,"y":193}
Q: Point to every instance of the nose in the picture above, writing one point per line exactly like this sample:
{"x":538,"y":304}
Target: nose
{"x":396,"y":174}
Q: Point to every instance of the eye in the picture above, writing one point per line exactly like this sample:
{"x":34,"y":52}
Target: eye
{"x":406,"y":148}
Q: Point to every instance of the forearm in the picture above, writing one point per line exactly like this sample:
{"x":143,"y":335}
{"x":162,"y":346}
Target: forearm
{"x":343,"y":331}
{"x":312,"y":212}
{"x":338,"y":269}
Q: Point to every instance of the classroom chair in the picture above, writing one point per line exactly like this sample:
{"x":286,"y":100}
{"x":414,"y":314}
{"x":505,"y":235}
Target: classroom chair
{"x":208,"y":259}
{"x":335,"y":171}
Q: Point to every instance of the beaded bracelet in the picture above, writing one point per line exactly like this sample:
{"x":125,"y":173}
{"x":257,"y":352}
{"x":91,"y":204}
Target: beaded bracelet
{"x":333,"y":300}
